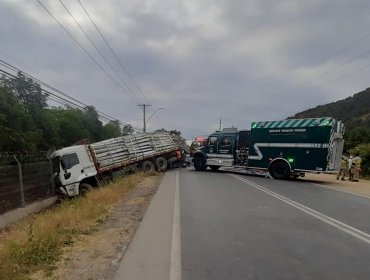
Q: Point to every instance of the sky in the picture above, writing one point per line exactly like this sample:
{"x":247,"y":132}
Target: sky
{"x":200,"y":60}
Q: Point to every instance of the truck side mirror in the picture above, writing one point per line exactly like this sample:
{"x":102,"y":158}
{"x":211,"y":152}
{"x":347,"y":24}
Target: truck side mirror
{"x":67,"y":175}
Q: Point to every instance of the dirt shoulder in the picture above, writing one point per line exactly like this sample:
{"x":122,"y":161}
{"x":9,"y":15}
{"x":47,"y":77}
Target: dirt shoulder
{"x":98,"y":255}
{"x":361,"y":187}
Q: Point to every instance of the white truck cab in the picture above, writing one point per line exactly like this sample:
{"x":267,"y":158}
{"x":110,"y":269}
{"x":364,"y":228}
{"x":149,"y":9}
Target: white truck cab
{"x":71,"y":167}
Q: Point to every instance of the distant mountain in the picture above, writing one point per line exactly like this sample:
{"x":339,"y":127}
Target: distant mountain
{"x":354,"y":111}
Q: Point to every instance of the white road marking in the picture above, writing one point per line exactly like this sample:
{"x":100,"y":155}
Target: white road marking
{"x":341,"y":190}
{"x":175,"y":270}
{"x":363,"y":236}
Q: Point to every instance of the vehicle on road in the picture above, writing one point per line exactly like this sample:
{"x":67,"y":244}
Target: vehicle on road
{"x":78,"y":168}
{"x":198,"y":142}
{"x":285,"y":148}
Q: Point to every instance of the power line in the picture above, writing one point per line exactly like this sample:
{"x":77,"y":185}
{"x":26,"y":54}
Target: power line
{"x":81,"y":47}
{"x":112,"y":51}
{"x":98,"y":50}
{"x":64,"y":100}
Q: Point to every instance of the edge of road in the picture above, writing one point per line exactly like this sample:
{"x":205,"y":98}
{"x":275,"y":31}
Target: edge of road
{"x":175,"y":269}
{"x":155,"y":251}
{"x":340,"y":190}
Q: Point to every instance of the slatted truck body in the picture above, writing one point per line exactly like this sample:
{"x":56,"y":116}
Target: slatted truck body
{"x":78,"y":168}
{"x":283,"y":148}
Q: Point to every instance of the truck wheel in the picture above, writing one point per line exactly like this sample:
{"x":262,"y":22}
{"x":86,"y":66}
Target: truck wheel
{"x":170,"y":162}
{"x":200,"y":164}
{"x":84,"y":189}
{"x":148,"y":166}
{"x":161,"y":164}
{"x":214,"y":167}
{"x":279,"y":170}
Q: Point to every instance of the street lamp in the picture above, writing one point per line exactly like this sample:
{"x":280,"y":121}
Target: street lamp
{"x":146,"y":121}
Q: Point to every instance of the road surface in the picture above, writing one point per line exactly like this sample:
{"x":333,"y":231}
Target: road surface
{"x":217,"y":225}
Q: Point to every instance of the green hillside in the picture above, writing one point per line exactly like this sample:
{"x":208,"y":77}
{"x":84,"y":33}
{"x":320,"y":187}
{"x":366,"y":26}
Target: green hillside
{"x":354,"y":111}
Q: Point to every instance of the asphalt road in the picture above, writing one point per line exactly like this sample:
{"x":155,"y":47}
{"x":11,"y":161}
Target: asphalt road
{"x":244,"y":227}
{"x":219,"y":225}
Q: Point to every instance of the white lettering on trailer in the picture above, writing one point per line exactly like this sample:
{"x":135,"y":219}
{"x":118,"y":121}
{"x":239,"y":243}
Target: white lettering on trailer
{"x":287,"y":130}
{"x":259,"y":155}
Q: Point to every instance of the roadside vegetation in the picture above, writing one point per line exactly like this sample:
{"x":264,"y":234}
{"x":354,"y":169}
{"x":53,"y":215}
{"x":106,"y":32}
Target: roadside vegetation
{"x":29,"y":123}
{"x":354,"y":111}
{"x":363,"y":150}
{"x":37,"y":242}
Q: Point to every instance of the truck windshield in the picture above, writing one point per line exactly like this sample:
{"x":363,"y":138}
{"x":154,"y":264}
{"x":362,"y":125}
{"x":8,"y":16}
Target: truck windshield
{"x":68,"y":161}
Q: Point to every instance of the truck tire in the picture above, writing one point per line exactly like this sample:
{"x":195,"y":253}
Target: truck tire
{"x":148,"y":166}
{"x":279,"y":170}
{"x":84,"y":188}
{"x":161,"y":164}
{"x":214,"y":167}
{"x":170,"y":162}
{"x":200,"y":164}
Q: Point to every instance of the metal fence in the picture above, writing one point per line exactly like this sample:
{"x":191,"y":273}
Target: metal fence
{"x":23,"y":180}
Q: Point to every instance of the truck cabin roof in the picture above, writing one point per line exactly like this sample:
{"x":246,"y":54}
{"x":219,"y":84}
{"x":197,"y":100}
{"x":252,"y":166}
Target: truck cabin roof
{"x":67,"y":150}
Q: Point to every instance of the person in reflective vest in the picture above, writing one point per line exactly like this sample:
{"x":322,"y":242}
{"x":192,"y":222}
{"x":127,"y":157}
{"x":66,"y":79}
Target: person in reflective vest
{"x":350,"y":168}
{"x":356,"y":167}
{"x":343,"y":168}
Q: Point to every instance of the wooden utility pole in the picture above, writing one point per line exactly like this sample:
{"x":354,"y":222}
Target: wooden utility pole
{"x":144,"y":118}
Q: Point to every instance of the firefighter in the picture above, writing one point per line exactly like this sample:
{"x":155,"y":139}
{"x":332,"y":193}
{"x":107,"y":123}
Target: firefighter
{"x":350,"y":168}
{"x":356,"y":167}
{"x":343,"y":168}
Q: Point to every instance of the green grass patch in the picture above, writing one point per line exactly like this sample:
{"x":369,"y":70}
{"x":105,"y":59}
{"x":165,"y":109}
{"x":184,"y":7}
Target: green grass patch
{"x":36,"y":243}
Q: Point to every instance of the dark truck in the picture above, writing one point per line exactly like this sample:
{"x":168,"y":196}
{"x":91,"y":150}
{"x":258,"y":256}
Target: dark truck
{"x":286,"y":148}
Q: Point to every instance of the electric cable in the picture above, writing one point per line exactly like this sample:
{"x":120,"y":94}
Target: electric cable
{"x":80,"y":45}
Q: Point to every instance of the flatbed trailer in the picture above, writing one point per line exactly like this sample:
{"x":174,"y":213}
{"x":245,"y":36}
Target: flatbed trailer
{"x":78,"y":168}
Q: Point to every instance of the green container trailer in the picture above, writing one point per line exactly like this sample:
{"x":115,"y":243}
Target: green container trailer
{"x":283,"y":148}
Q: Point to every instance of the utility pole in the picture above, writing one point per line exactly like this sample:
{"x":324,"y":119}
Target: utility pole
{"x":220,"y":124}
{"x":144,"y":118}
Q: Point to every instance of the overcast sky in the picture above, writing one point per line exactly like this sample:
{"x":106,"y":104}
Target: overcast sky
{"x":240,"y":60}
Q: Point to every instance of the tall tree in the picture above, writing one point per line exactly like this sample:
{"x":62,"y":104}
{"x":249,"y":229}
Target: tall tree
{"x":111,"y":129}
{"x":17,"y":131}
{"x":127,"y":130}
{"x":356,"y":136}
{"x":93,"y":124}
{"x":29,"y":92}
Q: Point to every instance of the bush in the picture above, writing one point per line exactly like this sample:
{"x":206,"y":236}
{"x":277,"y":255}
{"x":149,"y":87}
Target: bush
{"x":364,"y":152}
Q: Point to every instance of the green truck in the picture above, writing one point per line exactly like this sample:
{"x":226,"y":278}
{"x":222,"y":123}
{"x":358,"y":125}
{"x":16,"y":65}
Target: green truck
{"x":284,"y":149}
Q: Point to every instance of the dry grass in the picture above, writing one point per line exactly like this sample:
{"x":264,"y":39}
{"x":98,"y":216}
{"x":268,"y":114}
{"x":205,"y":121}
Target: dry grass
{"x":37,"y":242}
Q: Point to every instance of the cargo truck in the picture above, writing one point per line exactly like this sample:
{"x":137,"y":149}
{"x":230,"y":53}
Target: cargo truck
{"x":283,"y":149}
{"x":77,"y":169}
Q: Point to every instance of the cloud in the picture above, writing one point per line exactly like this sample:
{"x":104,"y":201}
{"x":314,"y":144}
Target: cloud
{"x":201,"y":60}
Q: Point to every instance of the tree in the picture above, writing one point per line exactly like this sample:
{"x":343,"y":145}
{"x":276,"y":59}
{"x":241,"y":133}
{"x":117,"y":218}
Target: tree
{"x":17,"y":131}
{"x":93,"y":124}
{"x":356,"y":136}
{"x":29,"y":92}
{"x":363,"y":150}
{"x":111,"y":129}
{"x":127,"y":130}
